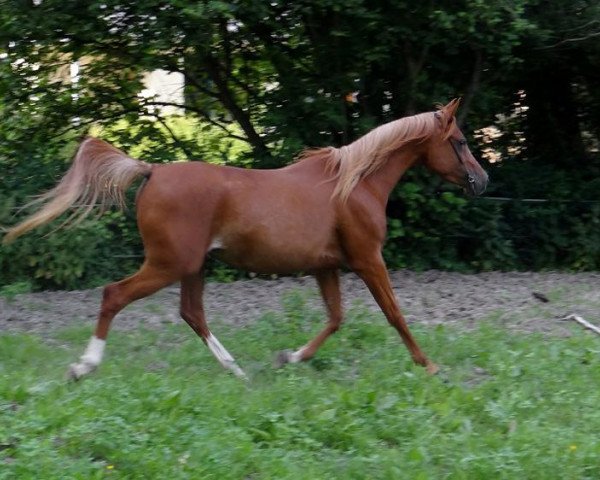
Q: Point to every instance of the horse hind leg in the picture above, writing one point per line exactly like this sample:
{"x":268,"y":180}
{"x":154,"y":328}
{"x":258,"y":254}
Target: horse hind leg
{"x":192,"y":311}
{"x":329,"y":286}
{"x":116,"y":296}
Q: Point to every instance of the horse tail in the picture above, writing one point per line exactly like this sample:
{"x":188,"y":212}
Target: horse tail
{"x":99,"y":176}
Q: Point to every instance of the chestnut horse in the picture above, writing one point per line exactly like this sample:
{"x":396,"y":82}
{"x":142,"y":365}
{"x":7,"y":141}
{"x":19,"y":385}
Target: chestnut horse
{"x":325,"y":211}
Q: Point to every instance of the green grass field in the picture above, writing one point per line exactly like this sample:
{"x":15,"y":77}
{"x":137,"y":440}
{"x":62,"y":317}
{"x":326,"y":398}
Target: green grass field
{"x":160,"y":406}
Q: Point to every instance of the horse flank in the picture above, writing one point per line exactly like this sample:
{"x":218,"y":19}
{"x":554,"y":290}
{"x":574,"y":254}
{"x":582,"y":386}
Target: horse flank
{"x":99,"y":176}
{"x":351,"y":163}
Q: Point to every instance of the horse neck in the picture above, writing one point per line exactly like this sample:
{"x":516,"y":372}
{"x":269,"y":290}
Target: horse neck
{"x":389,"y":174}
{"x":383,"y":155}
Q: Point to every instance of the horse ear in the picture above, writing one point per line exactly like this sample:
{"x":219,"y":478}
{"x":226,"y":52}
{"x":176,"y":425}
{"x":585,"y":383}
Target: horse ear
{"x":452,"y":106}
{"x":445,"y":116}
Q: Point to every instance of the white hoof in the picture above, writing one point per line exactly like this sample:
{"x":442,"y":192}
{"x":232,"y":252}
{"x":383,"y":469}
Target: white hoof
{"x":79,"y":370}
{"x":287,"y":356}
{"x":237,"y":371}
{"x":282,"y":358}
{"x":89,"y":361}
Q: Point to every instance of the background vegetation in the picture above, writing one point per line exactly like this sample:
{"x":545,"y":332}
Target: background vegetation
{"x":264,"y":79}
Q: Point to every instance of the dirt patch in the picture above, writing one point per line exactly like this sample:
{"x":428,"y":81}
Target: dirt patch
{"x":431,"y":297}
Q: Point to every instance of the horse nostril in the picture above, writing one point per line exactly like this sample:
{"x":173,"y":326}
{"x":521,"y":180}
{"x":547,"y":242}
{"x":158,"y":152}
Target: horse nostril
{"x":473,"y":187}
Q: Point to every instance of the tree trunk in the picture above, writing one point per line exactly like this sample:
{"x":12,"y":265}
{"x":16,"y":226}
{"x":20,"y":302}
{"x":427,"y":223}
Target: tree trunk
{"x":224,"y":94}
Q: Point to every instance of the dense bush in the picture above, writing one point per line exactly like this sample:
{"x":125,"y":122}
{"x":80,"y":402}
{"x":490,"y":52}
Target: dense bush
{"x":448,"y":231}
{"x":89,"y":254}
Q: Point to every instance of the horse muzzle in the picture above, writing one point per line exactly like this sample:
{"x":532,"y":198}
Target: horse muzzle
{"x":476,"y":183}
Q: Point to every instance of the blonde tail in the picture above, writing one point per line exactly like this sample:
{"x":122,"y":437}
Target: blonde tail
{"x":99,"y":175}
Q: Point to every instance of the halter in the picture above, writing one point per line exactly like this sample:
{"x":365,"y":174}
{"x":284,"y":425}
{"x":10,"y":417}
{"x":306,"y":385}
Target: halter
{"x":462,"y":143}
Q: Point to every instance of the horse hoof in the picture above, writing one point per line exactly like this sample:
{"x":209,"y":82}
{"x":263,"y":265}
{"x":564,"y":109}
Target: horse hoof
{"x":282,"y":358}
{"x":73,"y":374}
{"x":432,"y":368}
{"x":79,"y":370}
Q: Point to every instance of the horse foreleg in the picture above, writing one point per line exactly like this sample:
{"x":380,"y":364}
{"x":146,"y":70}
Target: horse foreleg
{"x":329,"y":285}
{"x":116,"y":296}
{"x":192,"y":311}
{"x":374,"y":273}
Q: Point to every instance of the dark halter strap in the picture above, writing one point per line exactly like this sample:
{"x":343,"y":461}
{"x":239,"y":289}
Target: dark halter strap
{"x":454,"y":144}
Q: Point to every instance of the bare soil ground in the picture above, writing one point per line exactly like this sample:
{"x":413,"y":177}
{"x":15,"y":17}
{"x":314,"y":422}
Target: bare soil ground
{"x":433,"y":297}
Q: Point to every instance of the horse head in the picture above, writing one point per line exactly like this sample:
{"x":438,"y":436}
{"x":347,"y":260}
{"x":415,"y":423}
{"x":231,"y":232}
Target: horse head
{"x":449,"y":156}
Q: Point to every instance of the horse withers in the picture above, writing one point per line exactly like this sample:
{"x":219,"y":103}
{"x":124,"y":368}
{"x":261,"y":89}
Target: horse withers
{"x":323,"y":212}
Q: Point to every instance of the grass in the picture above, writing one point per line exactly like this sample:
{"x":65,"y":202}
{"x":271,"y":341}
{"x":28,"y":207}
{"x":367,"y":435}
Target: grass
{"x":160,"y":406}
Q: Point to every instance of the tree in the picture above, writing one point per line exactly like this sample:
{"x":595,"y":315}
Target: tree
{"x":281,"y":71}
{"x":559,"y":72}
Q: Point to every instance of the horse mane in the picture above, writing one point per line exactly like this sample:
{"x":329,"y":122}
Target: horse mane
{"x":351,"y":163}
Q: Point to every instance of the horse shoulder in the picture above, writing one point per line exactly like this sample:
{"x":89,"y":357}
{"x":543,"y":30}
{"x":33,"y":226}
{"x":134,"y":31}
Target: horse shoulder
{"x":362,"y":220}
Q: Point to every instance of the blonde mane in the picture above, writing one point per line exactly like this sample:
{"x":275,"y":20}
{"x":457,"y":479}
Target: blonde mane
{"x":356,"y":161}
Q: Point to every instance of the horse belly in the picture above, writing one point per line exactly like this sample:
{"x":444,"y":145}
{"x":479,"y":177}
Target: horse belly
{"x":271,"y":250}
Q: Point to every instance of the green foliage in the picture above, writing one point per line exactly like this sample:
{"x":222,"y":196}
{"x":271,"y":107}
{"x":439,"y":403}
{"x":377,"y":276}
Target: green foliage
{"x":176,"y":138}
{"x":452,"y":233}
{"x":87,"y":255}
{"x":161,"y":406}
{"x":418,"y":226}
{"x":430,"y":230}
{"x":11,"y":290}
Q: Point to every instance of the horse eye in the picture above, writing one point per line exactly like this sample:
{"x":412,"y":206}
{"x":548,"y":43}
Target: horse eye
{"x":462,"y":141}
